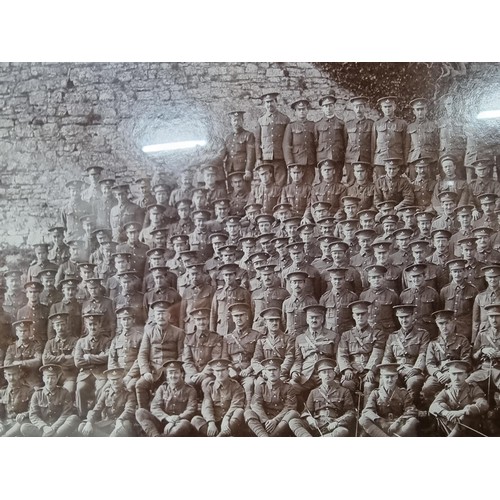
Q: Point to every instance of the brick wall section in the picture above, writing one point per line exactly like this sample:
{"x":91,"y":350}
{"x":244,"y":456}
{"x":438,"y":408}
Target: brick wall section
{"x":58,"y":119}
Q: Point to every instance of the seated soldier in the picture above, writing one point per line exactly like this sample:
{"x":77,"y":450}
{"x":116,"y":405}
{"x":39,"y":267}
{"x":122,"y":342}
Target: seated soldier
{"x":223,"y":404}
{"x":124,"y":348}
{"x":200,"y":347}
{"x":51,"y":408}
{"x":14,"y":402}
{"x":486,"y":353}
{"x":239,"y":347}
{"x":161,"y":341}
{"x":459,"y":406}
{"x":273,"y":403}
{"x":315,"y":343}
{"x":389,"y":410}
{"x":274,"y":344}
{"x":360,"y":349}
{"x":25,"y":352}
{"x":408,"y":347}
{"x":60,"y":350}
{"x":448,"y":346}
{"x":113,"y":414}
{"x":91,"y":358}
{"x":329,"y":410}
{"x":173,"y":406}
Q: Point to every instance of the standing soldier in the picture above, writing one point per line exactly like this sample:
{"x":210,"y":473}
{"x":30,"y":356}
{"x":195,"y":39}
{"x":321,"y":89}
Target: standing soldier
{"x":184,"y":191}
{"x":267,"y":193}
{"x":382,"y":300}
{"x":50,"y":294}
{"x":92,"y":193}
{"x":69,"y":305}
{"x":239,"y":347}
{"x":298,"y":192}
{"x":145,"y":197}
{"x":361,"y":186}
{"x":91,"y":358}
{"x":424,"y":184}
{"x":299,"y":142}
{"x":317,"y":342}
{"x":42,"y":262}
{"x":14,"y":297}
{"x":231,"y":293}
{"x":458,"y":296}
{"x":269,"y":137}
{"x":173,"y":406}
{"x":330,"y":137}
{"x":449,"y":345}
{"x":388,"y":136}
{"x":74,"y":209}
{"x":25,"y":352}
{"x":360,"y":350}
{"x":14,"y":401}
{"x":197,"y":295}
{"x":223,"y":404}
{"x":422,"y":137}
{"x":449,"y":181}
{"x":269,"y":294}
{"x":51,"y":408}
{"x":392,"y":186}
{"x":239,"y":154}
{"x":313,"y":281}
{"x":124,"y":348}
{"x":274,"y":343}
{"x":238,"y":194}
{"x":161,"y":341}
{"x":358,"y":138}
{"x":162,"y":291}
{"x":327,"y":189}
{"x":407,"y":347}
{"x":113,"y":415}
{"x":60,"y":350}
{"x":389,"y":410}
{"x":200,"y":346}
{"x":489,"y":296}
{"x":130,"y":297}
{"x":199,"y":238}
{"x":124,"y":211}
{"x":35,"y":311}
{"x":336,"y":301}
{"x":273,"y":404}
{"x":59,"y":251}
{"x":105,"y":203}
{"x":133,"y":246}
{"x":425,"y":299}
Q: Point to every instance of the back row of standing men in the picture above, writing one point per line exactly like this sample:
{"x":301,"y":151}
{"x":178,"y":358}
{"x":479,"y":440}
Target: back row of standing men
{"x":274,"y":275}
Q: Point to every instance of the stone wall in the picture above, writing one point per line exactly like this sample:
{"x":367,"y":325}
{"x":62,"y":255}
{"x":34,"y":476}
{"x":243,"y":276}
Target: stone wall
{"x":58,"y":119}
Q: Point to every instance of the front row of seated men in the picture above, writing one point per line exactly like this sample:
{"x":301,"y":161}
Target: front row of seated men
{"x":329,"y":410}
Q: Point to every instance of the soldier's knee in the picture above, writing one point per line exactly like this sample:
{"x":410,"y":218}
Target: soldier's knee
{"x":289,"y":415}
{"x":198,"y":422}
{"x":249,"y":414}
{"x":364,"y":421}
{"x":142,"y":385}
{"x":142,"y":414}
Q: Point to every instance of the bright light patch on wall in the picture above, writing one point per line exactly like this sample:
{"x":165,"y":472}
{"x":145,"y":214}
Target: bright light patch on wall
{"x":173,"y":146}
{"x":486,"y":115}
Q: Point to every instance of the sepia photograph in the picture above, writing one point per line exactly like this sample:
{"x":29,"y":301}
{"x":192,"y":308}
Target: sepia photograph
{"x":250,"y":249}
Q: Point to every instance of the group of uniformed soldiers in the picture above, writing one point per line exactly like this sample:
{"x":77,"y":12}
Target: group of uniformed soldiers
{"x":324,"y":279}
